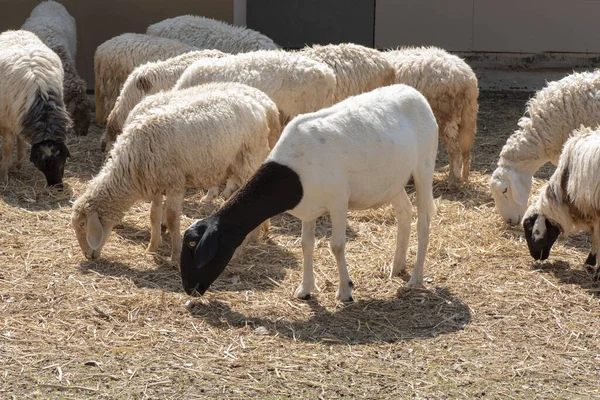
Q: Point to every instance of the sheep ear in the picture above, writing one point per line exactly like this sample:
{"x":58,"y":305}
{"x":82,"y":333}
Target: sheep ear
{"x":94,"y":230}
{"x":518,"y":189}
{"x":207,"y":247}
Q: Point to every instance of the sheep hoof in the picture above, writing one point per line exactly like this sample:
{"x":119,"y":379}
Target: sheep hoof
{"x":151,"y":249}
{"x":302,"y":293}
{"x":344,"y":297}
{"x":397,"y":270}
{"x":415,"y":284}
{"x":207,"y":199}
{"x":591,"y":260}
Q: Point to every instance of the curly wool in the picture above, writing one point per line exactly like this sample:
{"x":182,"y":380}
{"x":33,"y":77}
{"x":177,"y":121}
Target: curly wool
{"x":116,"y":58}
{"x":148,"y":79}
{"x":550,"y":118}
{"x":451,"y":88}
{"x":357,"y":69}
{"x":295,"y":83}
{"x":196,"y":137}
{"x":571,"y":197}
{"x":207,"y":33}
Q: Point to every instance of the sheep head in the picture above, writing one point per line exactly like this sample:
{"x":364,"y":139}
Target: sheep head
{"x":91,"y":231}
{"x":540,"y":233}
{"x":50,"y":157}
{"x":510,"y":190}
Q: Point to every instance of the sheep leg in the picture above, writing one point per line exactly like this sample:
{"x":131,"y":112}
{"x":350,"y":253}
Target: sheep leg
{"x":403,"y":209}
{"x":174,"y":205}
{"x":337,"y":246}
{"x":308,"y":246}
{"x":155,"y":223}
{"x":449,"y":136}
{"x":212,"y":194}
{"x":20,"y":150}
{"x":466,"y":165}
{"x":425,"y":209}
{"x":7,"y":151}
{"x":230,"y":189}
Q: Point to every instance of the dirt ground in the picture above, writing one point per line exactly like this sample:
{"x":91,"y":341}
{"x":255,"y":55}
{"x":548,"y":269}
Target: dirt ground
{"x":492,"y":323}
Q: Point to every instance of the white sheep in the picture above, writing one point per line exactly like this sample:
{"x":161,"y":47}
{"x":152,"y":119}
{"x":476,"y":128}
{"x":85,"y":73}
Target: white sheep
{"x":207,"y":33}
{"x":31,"y":105}
{"x":145,"y":80}
{"x":451,"y":88}
{"x":53,"y":24}
{"x":357,"y":154}
{"x":116,"y":58}
{"x":569,"y":202}
{"x":295,"y":83}
{"x":357,"y":69}
{"x":196,"y":137}
{"x":550,"y":117}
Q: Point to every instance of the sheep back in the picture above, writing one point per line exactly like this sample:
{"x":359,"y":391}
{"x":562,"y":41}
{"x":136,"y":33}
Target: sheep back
{"x":208,"y":33}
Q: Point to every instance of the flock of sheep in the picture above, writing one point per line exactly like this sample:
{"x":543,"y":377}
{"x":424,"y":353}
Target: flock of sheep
{"x":198,"y":103}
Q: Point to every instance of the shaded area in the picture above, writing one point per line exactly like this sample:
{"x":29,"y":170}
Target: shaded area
{"x":417,"y":314}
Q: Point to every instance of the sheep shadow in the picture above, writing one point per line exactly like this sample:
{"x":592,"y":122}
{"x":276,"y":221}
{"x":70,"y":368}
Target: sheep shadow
{"x":582,"y":275}
{"x":418,"y":314}
{"x":259,"y":267}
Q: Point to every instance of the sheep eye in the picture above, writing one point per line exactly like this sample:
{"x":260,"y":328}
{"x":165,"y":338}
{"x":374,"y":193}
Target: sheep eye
{"x":192,"y":244}
{"x":505,"y":190}
{"x":82,"y":224}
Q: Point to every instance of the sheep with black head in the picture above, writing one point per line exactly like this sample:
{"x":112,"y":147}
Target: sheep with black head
{"x":358,"y":154}
{"x":569,"y":202}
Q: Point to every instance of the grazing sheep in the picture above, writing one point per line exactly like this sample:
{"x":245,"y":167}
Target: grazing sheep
{"x":116,"y":58}
{"x":145,"y":80}
{"x":550,"y":118}
{"x":207,"y":33}
{"x":295,"y":83}
{"x":53,"y":24}
{"x":357,"y":69}
{"x":357,"y":154}
{"x":31,"y":105}
{"x":196,"y":137}
{"x":569,"y":202}
{"x":450,"y":86}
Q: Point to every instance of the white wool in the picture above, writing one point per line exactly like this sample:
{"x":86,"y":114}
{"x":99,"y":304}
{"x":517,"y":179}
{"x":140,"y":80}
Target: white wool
{"x":116,"y":58}
{"x":295,"y":83}
{"x":196,"y":137}
{"x":360,"y":154}
{"x":357,"y":69}
{"x":148,"y":79}
{"x":450,"y":86}
{"x":550,"y":118}
{"x":208,"y":33}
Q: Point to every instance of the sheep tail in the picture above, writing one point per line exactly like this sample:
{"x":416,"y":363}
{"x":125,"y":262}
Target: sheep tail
{"x":46,"y":118}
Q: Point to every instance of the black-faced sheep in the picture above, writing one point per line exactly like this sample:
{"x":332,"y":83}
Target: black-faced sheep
{"x":570,"y":201}
{"x":357,"y":154}
{"x":31,"y":105}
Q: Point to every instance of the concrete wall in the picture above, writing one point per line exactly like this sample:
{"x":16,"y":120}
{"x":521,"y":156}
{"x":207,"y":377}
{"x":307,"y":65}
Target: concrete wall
{"x":515,"y":26}
{"x":100,"y":20}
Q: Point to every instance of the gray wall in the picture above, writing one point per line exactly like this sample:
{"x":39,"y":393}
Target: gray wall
{"x":100,"y":20}
{"x":296,"y":23}
{"x":523,"y":26}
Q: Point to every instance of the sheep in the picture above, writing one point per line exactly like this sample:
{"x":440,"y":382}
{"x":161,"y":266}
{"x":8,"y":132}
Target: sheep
{"x":145,"y":80}
{"x":569,"y":202}
{"x":195,"y":137}
{"x":550,"y":118}
{"x":451,"y":88}
{"x":56,"y":28}
{"x":207,"y":33}
{"x":358,"y":69}
{"x":357,"y":154}
{"x":116,"y":58}
{"x":295,"y":83}
{"x":31,"y":105}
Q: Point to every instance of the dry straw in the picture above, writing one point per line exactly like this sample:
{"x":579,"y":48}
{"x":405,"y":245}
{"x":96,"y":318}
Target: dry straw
{"x":492,"y":323}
